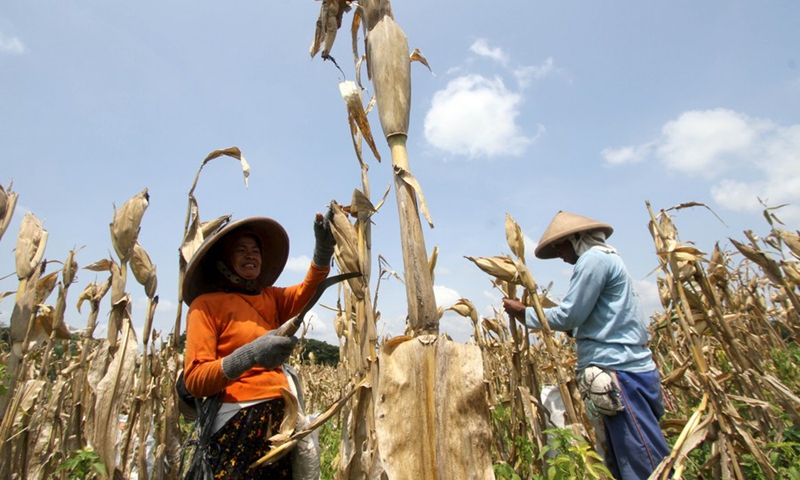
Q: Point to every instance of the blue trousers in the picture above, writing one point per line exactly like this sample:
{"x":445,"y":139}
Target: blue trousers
{"x":634,"y":439}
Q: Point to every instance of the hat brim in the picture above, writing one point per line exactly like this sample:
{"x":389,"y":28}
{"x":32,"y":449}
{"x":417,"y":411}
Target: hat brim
{"x":200,"y":276}
{"x":561,"y":227}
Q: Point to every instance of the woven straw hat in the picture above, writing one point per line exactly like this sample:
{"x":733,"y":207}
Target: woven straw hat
{"x":201,"y":272}
{"x":562,"y":226}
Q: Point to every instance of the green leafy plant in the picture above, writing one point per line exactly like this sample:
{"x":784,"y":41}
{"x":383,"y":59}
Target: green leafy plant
{"x":81,"y":464}
{"x":4,"y":380}
{"x":329,"y":437}
{"x":573,"y":457}
{"x":504,"y":471}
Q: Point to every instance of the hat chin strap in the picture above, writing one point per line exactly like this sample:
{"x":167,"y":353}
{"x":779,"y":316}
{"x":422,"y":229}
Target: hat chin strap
{"x":236,"y":280}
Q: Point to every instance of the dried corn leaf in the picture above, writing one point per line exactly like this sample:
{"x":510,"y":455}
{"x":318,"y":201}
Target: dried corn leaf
{"x":193,"y":236}
{"x":46,"y":441}
{"x":94,"y":292}
{"x":409,"y":180}
{"x":328,"y":23}
{"x":277,"y":453}
{"x":31,"y":243}
{"x":768,"y":265}
{"x":290,"y":415}
{"x":112,"y":391}
{"x":465,"y":308}
{"x":357,"y":116}
{"x":417,"y":56}
{"x":44,"y":287}
{"x":432,"y":261}
{"x":210,"y":227}
{"x":126,"y":224}
{"x":232,"y":152}
{"x":360,"y":203}
{"x":45,"y":322}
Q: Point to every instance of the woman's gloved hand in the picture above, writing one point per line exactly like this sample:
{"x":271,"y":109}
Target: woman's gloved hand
{"x":323,"y":248}
{"x":268,"y":351}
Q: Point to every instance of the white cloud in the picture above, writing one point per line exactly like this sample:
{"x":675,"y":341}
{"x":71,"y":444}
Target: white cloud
{"x":626,"y":155}
{"x":476,"y":116}
{"x":747,"y":158}
{"x":445,"y":296}
{"x":320,"y":329}
{"x":705,"y":142}
{"x":481,"y":47}
{"x":298,"y":264}
{"x":11,"y":45}
{"x":535,"y":72}
{"x":530,"y":246}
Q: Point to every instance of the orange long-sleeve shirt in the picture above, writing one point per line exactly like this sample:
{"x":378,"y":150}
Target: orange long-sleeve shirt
{"x":218,"y":323}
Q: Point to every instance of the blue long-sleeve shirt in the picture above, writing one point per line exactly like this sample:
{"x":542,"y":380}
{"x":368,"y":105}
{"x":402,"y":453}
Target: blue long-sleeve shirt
{"x":602,"y":310}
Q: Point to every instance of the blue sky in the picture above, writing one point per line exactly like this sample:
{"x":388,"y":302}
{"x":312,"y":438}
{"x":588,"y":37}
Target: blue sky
{"x":531,"y":107}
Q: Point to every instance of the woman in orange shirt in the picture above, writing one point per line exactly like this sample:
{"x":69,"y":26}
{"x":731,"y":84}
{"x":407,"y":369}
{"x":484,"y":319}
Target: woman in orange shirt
{"x":231,"y":348}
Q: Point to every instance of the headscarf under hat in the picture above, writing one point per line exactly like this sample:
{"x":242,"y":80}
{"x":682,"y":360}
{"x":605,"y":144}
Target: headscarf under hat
{"x":563,"y":225}
{"x":202,"y":273}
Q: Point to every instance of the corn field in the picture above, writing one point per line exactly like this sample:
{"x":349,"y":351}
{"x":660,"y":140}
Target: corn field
{"x":725,"y":344}
{"x":77,"y":406}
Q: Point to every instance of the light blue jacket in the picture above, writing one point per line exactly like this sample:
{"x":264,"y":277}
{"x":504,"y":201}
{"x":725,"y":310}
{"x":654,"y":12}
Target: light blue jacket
{"x":602,"y":310}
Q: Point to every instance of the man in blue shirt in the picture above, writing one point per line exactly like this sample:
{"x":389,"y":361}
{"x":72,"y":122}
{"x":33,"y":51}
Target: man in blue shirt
{"x":615,"y":368}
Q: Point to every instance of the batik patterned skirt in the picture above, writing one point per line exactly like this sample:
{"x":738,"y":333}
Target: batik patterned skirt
{"x":244,"y":439}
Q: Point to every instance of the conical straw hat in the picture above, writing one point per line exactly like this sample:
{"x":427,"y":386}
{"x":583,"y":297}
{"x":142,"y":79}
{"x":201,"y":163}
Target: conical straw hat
{"x":201,"y":272}
{"x":562,"y":226}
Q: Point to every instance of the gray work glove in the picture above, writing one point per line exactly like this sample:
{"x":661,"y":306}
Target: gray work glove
{"x":268,"y":351}
{"x":323,"y":248}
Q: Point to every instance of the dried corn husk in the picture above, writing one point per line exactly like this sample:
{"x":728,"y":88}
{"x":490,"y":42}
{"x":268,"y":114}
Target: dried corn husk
{"x":389,"y":68}
{"x":8,"y":202}
{"x":328,"y":23}
{"x":144,"y":270}
{"x":443,"y":429}
{"x":516,"y":241}
{"x":502,"y":268}
{"x":791,"y":239}
{"x":31,"y":244}
{"x":126,"y":223}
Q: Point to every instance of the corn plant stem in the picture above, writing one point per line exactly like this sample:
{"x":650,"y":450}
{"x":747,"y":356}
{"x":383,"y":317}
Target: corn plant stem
{"x":422,"y":312}
{"x":561,"y":377}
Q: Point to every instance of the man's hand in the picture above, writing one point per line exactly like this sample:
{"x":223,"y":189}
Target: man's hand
{"x":515,"y":309}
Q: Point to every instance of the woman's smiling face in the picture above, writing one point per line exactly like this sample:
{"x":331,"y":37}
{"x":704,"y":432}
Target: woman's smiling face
{"x":244,"y":257}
